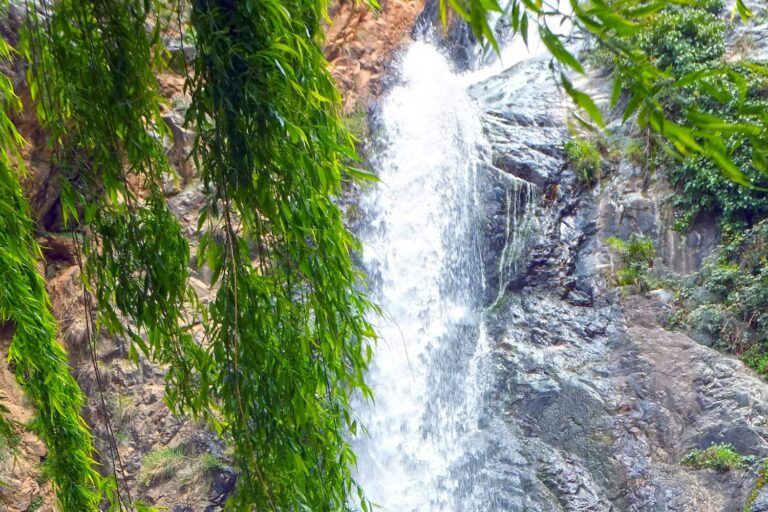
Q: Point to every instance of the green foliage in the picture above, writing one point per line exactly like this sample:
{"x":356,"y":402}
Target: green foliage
{"x":289,"y":340}
{"x":728,"y":299}
{"x":37,"y":502}
{"x":38,"y":360}
{"x":92,"y":80}
{"x":682,"y":39}
{"x":686,"y":40}
{"x":585,"y":157}
{"x":701,"y":187}
{"x":637,"y":255}
{"x":95,"y":57}
{"x":161,"y":465}
{"x":720,"y":457}
{"x":660,"y":49}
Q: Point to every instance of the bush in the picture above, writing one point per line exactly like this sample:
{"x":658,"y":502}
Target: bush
{"x":720,"y":457}
{"x":720,"y":277}
{"x":728,"y":298}
{"x":637,"y":254}
{"x":683,"y":39}
{"x":700,"y":187}
{"x":709,"y":319}
{"x":585,"y":158}
{"x":756,"y":357}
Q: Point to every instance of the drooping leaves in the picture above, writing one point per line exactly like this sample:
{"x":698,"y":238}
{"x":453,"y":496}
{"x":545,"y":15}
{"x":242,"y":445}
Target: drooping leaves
{"x":287,"y":329}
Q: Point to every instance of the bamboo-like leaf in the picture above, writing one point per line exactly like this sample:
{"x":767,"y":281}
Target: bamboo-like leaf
{"x":557,"y":49}
{"x":583,"y":101}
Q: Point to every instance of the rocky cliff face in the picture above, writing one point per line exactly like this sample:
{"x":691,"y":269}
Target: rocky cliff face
{"x":593,"y":403}
{"x":360,"y":45}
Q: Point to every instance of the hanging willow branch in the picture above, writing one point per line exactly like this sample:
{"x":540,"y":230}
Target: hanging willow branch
{"x":92,"y":77}
{"x":287,"y":335}
{"x":92,"y":71}
{"x":38,"y":360}
{"x":287,"y":328}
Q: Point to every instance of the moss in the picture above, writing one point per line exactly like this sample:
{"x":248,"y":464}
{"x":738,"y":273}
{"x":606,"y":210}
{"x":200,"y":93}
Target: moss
{"x":35,"y":505}
{"x":719,"y":457}
{"x":762,"y":478}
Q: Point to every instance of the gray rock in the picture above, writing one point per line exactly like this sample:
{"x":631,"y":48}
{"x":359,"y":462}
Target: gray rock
{"x":590,"y":404}
{"x":761,"y":502}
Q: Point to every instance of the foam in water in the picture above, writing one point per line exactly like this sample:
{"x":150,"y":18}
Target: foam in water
{"x":422,"y":249}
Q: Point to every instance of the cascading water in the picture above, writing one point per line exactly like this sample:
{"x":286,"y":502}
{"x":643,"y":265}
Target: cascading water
{"x":426,"y":250}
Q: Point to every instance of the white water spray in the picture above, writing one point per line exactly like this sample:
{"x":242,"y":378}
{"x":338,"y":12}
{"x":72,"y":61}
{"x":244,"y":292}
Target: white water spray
{"x":423,"y":250}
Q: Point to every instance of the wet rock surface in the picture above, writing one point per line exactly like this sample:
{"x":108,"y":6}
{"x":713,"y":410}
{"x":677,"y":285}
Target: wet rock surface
{"x":590,"y":402}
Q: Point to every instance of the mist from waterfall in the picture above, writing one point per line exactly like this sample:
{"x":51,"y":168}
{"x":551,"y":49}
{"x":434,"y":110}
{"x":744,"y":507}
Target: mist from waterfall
{"x":424,"y":252}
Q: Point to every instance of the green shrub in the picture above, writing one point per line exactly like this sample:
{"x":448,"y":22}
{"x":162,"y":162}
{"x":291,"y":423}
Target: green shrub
{"x":700,"y":187}
{"x":728,"y":298}
{"x":709,"y":319}
{"x":36,"y":504}
{"x":720,"y":457}
{"x":637,"y":254}
{"x":161,"y":465}
{"x":756,"y":357}
{"x":683,"y":39}
{"x":720,"y":278}
{"x":585,"y":158}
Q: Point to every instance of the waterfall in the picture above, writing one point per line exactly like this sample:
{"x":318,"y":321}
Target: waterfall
{"x":429,"y":230}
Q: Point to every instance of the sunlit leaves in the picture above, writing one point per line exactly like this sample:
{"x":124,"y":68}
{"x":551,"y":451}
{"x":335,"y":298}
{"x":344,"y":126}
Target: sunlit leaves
{"x":287,"y":329}
{"x":39,"y":362}
{"x":556,"y":48}
{"x":645,"y":76}
{"x":583,"y":100}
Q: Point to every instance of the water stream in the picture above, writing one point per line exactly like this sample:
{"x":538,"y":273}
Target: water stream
{"x":426,"y":250}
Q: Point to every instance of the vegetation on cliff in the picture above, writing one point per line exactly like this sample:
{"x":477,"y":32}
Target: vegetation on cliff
{"x":725,"y":303}
{"x":689,"y":41}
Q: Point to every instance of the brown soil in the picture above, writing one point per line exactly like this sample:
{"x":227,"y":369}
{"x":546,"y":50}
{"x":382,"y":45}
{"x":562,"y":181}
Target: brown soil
{"x":361,"y":43}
